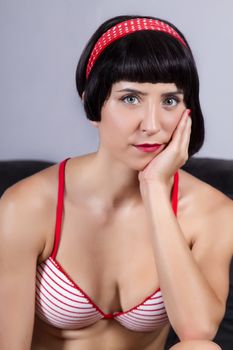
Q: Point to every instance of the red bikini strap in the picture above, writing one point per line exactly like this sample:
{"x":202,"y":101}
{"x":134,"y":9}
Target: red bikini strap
{"x":175,"y":192}
{"x":61,"y":186}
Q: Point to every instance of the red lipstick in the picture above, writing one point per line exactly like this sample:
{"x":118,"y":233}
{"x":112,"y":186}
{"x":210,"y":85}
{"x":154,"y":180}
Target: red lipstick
{"x":146,"y":147}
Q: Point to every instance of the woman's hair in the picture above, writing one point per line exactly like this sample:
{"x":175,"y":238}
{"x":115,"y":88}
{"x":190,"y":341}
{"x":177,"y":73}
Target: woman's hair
{"x":143,"y":56}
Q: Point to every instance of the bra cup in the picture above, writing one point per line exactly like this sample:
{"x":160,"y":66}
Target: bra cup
{"x":61,"y":303}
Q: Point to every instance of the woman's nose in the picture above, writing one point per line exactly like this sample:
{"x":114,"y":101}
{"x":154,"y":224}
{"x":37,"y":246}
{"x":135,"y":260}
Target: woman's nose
{"x":151,"y":121}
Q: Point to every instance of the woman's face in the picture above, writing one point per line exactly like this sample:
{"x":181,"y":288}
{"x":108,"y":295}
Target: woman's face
{"x":138,"y":113}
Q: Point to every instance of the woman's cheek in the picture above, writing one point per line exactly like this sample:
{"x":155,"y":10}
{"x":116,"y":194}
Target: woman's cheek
{"x":170,"y":124}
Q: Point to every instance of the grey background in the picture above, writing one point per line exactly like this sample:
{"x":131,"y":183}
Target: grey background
{"x":41,"y":41}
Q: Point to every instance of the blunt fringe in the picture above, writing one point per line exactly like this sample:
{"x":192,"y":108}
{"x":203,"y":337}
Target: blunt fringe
{"x":143,"y":56}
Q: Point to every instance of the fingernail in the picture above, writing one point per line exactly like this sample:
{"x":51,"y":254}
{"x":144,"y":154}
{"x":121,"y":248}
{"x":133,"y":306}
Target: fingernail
{"x":189,"y":112}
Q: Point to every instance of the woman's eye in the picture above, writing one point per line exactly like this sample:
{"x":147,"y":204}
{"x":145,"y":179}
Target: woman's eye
{"x":130,"y":99}
{"x":171,"y":101}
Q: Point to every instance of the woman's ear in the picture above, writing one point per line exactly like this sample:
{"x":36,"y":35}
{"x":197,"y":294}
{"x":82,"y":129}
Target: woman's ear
{"x":94,"y":123}
{"x":83,"y":96}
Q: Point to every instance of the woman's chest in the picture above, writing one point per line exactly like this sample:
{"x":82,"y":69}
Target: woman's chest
{"x":110,"y":256}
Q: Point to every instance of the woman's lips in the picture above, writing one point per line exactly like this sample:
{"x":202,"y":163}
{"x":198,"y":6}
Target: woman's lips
{"x":147,"y":148}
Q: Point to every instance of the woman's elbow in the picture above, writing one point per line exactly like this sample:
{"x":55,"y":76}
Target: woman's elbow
{"x":203,"y":332}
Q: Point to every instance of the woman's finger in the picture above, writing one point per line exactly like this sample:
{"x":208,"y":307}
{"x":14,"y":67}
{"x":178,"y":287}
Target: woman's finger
{"x":186,"y":135}
{"x":178,"y":134}
{"x":184,"y":147}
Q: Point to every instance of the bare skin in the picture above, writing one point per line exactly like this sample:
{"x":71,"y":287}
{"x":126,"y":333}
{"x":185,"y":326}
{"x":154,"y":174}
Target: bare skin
{"x":98,"y":237}
{"x":114,"y":283}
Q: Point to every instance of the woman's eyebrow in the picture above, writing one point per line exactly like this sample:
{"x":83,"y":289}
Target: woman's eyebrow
{"x":176,"y":92}
{"x":133,"y":90}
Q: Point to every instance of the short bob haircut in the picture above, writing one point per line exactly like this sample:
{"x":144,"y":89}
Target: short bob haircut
{"x":143,"y":56}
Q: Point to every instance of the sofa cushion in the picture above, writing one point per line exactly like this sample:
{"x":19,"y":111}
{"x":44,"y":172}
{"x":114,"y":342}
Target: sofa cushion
{"x":12,"y":171}
{"x":216,"y":172}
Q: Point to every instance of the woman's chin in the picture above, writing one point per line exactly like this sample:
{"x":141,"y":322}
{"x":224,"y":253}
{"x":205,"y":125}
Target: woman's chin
{"x":139,"y":165}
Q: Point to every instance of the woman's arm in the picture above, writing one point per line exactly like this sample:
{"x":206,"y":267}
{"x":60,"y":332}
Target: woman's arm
{"x":21,"y":241}
{"x":195,"y":283}
{"x":194,"y":299}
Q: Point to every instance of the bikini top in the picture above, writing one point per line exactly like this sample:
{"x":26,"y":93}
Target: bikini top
{"x":62,"y":303}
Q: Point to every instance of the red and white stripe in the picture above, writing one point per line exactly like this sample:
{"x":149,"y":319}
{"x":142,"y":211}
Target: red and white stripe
{"x":61,"y":303}
{"x":148,"y":316}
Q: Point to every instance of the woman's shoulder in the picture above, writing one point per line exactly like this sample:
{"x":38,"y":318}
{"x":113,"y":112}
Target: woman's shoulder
{"x":28,"y":208}
{"x":33,"y":190}
{"x":205,"y":207}
{"x":197,"y":189}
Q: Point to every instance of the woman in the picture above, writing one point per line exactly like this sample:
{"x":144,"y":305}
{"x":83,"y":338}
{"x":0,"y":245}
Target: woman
{"x":139,"y":244}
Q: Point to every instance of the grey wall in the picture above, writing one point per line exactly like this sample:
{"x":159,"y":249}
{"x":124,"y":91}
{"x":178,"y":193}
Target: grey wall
{"x":41,"y":114}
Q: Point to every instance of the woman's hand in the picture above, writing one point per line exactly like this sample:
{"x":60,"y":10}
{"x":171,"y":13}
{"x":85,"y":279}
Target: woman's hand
{"x":163,"y":166}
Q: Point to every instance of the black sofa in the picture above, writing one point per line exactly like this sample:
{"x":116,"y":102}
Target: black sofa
{"x":216,"y":172}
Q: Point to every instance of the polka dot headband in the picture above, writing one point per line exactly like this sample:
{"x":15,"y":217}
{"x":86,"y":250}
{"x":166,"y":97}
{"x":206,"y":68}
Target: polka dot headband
{"x":125,"y":28}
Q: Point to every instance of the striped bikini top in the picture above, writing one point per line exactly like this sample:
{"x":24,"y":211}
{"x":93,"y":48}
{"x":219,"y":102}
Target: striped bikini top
{"x":62,"y":303}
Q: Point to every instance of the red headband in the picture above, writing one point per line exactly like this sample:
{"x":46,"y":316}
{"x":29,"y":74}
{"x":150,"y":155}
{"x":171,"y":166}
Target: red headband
{"x":125,"y":28}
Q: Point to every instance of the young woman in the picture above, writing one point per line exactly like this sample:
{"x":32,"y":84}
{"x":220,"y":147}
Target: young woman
{"x":108,"y":250}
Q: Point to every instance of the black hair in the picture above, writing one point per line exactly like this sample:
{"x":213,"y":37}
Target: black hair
{"x":143,"y":56}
